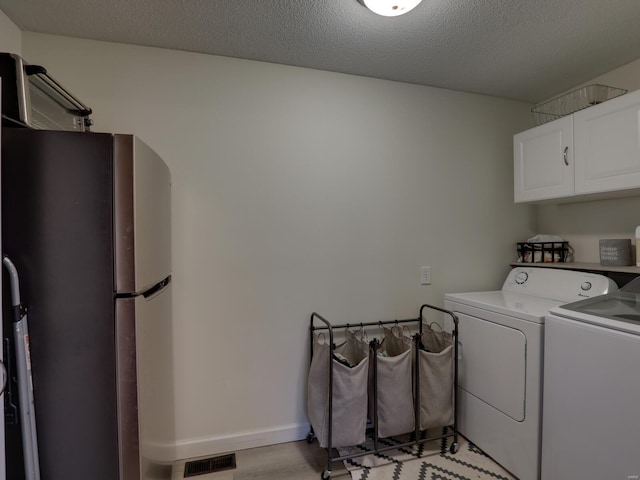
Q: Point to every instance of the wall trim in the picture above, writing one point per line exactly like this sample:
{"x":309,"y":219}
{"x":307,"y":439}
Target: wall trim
{"x":204,"y":446}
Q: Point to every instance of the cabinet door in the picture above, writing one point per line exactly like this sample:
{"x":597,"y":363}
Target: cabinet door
{"x":607,"y":145}
{"x":543,"y":161}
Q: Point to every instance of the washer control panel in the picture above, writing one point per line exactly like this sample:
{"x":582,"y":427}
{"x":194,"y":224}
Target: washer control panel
{"x":557,"y":284}
{"x":521,"y":277}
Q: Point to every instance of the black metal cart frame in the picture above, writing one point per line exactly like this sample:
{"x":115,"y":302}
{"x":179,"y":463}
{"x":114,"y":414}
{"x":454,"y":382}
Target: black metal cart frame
{"x":327,"y":326}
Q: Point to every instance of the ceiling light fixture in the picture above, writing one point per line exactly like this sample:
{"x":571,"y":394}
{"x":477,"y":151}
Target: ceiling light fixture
{"x":391,"y":8}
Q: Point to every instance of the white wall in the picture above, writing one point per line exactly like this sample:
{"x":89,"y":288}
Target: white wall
{"x":584,"y":224}
{"x":297,"y":191}
{"x":627,"y":77}
{"x":10,"y":35}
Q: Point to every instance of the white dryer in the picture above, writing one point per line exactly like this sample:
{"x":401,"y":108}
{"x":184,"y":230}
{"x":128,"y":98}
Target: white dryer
{"x":501,"y":338}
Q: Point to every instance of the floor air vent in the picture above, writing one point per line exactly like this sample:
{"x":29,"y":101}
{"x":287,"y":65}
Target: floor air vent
{"x":210,"y":465}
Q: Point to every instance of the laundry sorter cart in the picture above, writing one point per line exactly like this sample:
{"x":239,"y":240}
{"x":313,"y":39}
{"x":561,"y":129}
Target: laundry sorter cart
{"x":363,"y":389}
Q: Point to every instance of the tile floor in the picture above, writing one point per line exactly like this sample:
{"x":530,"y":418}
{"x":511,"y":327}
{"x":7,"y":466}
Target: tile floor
{"x":294,"y":460}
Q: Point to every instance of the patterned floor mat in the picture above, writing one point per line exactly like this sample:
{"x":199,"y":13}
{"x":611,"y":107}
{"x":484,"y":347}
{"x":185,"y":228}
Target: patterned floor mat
{"x":428,"y":461}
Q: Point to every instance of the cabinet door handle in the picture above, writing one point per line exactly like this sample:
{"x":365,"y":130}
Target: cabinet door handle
{"x":564,"y":156}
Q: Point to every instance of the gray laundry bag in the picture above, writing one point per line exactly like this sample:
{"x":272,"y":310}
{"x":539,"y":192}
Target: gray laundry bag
{"x":349,"y":416}
{"x":436,"y":378}
{"x":394,"y":385}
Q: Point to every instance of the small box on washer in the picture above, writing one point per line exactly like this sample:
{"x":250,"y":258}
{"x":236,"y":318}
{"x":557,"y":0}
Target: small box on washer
{"x":615,"y":251}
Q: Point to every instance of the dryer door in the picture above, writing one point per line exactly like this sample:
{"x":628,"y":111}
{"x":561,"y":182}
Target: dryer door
{"x":492,"y":363}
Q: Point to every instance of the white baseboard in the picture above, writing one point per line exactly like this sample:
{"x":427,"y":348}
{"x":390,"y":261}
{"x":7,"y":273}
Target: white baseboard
{"x":205,"y":446}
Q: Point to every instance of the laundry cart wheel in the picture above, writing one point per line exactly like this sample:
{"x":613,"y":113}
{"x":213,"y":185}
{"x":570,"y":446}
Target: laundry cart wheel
{"x":310,"y":437}
{"x":326,"y":475}
{"x":454,"y":447}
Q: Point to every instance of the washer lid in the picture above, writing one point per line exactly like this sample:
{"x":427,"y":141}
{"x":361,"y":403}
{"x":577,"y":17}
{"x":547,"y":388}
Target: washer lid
{"x":619,"y":310}
{"x":525,"y":307}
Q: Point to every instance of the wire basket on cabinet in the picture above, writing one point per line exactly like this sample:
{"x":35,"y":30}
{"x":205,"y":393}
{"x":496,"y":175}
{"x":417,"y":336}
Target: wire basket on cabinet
{"x":543,"y":252}
{"x":574,"y":101}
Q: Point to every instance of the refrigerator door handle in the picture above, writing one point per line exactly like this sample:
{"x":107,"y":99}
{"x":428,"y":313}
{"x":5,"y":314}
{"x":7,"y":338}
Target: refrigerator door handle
{"x":149,"y":293}
{"x":157,"y":288}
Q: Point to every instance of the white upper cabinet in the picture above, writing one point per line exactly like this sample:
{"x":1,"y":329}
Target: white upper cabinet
{"x":594,"y":153}
{"x":607,"y":145}
{"x":543,"y":167}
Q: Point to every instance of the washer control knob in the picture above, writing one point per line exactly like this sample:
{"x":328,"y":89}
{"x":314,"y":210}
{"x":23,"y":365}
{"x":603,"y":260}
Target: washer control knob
{"x":521,"y":277}
{"x":586,"y":286}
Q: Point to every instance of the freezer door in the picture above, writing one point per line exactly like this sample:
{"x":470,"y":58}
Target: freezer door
{"x":146,"y":427}
{"x":142,"y":186}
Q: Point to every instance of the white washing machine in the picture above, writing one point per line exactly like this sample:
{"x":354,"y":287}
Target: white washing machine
{"x":501,"y":337}
{"x":591,"y":421}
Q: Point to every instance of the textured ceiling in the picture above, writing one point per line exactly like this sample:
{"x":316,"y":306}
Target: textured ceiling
{"x":523,"y":49}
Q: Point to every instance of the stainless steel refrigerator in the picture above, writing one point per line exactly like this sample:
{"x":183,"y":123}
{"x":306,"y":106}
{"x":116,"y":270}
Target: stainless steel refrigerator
{"x":86,"y":219}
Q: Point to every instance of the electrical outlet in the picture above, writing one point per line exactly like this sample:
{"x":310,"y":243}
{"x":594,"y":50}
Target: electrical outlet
{"x":425,"y":275}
